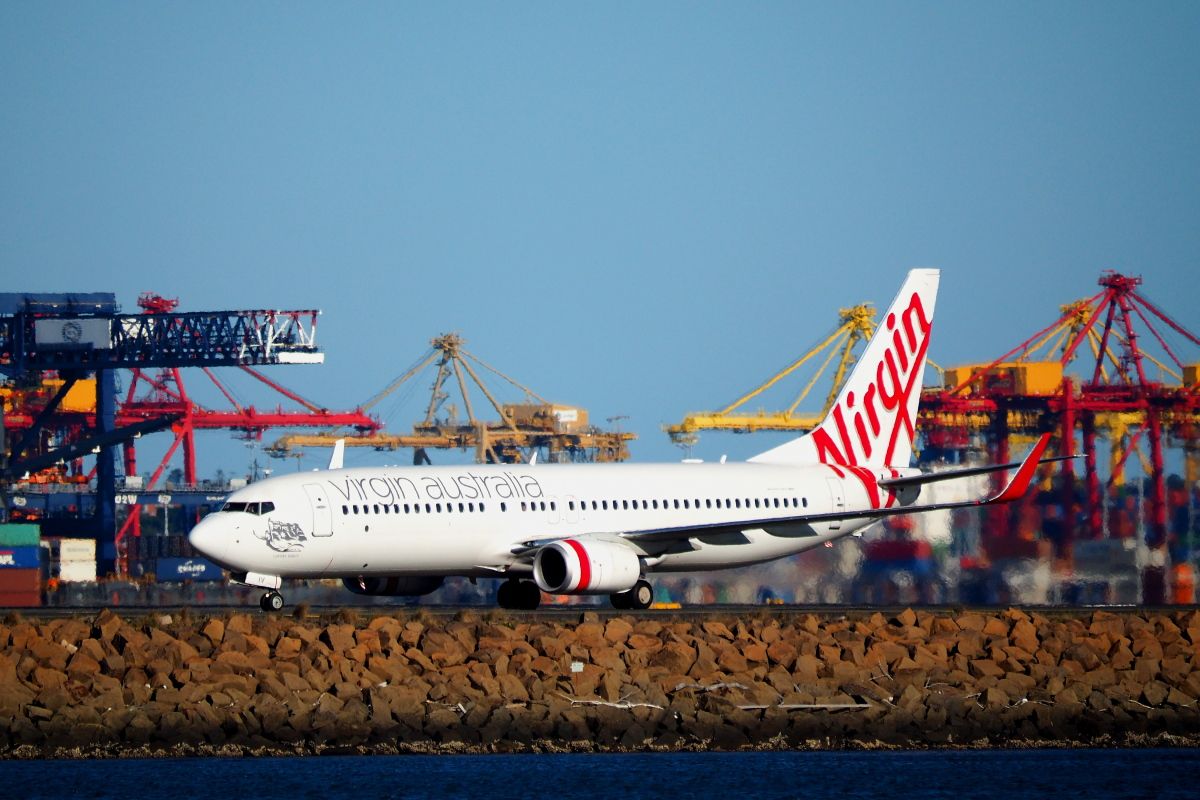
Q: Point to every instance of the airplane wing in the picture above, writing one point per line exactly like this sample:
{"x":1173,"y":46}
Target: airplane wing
{"x":1016,"y":488}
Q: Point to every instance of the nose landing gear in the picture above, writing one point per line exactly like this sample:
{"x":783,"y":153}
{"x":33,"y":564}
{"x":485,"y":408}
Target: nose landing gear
{"x":272,"y":601}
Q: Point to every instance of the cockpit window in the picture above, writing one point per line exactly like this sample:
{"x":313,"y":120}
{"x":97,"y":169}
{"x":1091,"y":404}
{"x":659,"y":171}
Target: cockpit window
{"x":249,"y":508}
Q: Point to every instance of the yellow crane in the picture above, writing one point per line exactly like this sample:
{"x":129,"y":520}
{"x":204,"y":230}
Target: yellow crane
{"x":560,"y":432}
{"x":856,"y":324}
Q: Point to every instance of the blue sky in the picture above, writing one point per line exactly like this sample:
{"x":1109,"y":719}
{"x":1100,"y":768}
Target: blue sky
{"x":640,"y":208}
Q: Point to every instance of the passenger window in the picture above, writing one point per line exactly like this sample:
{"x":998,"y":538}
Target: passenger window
{"x":553,"y":506}
{"x":460,"y":507}
{"x":737,"y":502}
{"x":570,"y":505}
{"x":604,"y":505}
{"x":654,"y":503}
{"x":428,"y":508}
{"x":504,"y":506}
{"x":345,"y":510}
{"x":805,"y":501}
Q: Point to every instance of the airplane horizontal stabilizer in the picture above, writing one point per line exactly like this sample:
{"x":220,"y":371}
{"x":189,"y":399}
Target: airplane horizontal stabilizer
{"x":954,"y":474}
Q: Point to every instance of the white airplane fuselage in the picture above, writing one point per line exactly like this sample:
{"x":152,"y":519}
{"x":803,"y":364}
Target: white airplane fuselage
{"x":601,"y":528}
{"x":464,"y":521}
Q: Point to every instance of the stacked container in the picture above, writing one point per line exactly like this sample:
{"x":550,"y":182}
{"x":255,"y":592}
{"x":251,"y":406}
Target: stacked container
{"x":20,"y":566}
{"x":72,"y":560}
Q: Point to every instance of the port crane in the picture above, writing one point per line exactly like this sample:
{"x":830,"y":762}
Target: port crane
{"x":558,"y":432}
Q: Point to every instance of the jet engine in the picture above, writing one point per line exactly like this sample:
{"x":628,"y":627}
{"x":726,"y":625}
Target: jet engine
{"x":586,"y":566}
{"x":393,"y":586}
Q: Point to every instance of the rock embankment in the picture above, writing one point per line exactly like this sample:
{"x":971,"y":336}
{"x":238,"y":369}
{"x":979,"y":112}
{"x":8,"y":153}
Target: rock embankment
{"x":257,"y":684}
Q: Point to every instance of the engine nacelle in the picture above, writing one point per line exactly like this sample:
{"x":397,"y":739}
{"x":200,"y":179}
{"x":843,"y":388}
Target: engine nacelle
{"x":383,"y":586}
{"x":586,"y":566}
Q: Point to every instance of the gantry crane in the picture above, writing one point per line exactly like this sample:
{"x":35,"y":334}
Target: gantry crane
{"x":77,"y":335}
{"x":558,"y":432}
{"x":856,"y":324}
{"x":1118,"y":395}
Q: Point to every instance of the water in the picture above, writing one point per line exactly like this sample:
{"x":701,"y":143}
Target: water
{"x":956,"y":775}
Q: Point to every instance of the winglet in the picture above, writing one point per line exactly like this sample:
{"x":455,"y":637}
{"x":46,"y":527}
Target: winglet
{"x":1020,"y":482}
{"x":335,"y":458}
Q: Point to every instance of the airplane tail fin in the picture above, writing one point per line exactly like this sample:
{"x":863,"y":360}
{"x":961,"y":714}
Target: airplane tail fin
{"x":874,"y":419}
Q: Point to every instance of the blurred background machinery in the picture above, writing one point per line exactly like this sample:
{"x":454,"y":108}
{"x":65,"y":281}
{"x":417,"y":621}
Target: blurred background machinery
{"x":61,"y":353}
{"x":533,"y":425}
{"x":1117,"y":379}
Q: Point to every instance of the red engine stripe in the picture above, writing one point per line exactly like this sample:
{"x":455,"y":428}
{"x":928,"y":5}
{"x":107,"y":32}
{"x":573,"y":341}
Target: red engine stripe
{"x":585,"y":567}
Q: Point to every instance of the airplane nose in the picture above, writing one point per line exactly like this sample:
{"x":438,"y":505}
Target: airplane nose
{"x":208,"y":540}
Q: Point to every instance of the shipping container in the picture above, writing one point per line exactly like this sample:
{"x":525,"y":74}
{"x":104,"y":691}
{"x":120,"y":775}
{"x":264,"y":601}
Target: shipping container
{"x":1016,"y":377}
{"x":75,"y":571}
{"x":80,"y":398}
{"x":20,"y":580}
{"x":20,"y":599}
{"x":187,"y":569}
{"x":563,"y":419}
{"x":20,"y":557}
{"x":71,"y":549}
{"x":20,"y":534}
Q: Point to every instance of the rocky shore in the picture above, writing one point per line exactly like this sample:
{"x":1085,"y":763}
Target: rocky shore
{"x":411,"y":682}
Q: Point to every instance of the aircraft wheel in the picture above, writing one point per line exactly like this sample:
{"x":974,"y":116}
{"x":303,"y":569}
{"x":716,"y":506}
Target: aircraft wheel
{"x":530,"y":595}
{"x":271,"y":602}
{"x":620,"y":601}
{"x":508,"y":595}
{"x":641,"y":595}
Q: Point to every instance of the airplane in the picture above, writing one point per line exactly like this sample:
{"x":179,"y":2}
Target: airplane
{"x":601,"y":529}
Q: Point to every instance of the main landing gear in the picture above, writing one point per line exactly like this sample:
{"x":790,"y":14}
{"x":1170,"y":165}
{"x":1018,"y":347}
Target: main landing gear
{"x":519,"y":595}
{"x":637,"y":598}
{"x":272,"y":601}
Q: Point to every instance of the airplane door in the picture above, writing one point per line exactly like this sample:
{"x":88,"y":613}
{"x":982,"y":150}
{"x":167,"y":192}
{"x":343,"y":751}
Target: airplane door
{"x":318,"y":499}
{"x":839,"y":501}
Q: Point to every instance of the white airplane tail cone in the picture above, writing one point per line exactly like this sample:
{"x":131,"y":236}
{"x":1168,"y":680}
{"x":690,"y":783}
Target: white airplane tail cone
{"x":874,"y":419}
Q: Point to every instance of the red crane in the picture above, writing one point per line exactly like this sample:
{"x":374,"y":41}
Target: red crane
{"x":164,"y":394}
{"x":1134,"y":387}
